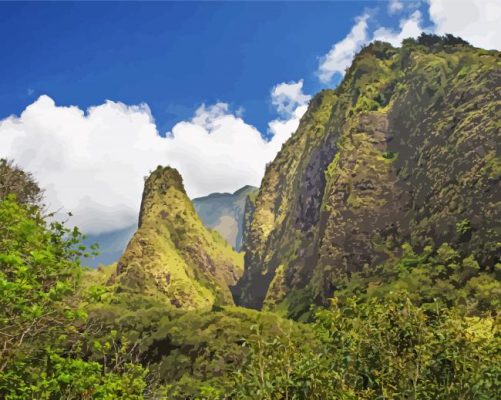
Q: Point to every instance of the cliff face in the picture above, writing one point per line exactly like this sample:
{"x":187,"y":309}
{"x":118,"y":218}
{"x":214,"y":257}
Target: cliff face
{"x":172,"y":255}
{"x":406,"y":149}
{"x":224,"y":212}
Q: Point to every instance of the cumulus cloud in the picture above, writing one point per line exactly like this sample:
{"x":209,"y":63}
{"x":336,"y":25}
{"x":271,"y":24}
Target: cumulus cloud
{"x":287,"y":97}
{"x":477,"y":21}
{"x":395,"y":6}
{"x":93,"y":162}
{"x":341,"y":54}
{"x":408,"y":28}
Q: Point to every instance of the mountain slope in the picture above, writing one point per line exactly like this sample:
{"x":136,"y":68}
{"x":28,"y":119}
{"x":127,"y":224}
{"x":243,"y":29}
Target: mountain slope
{"x":224,"y":212}
{"x":172,"y":255}
{"x":404,"y":150}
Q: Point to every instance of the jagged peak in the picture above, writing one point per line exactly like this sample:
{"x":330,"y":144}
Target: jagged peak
{"x":164,"y":177}
{"x":430,"y":40}
{"x":425,"y":42}
{"x":383,"y":49}
{"x":157,"y":183}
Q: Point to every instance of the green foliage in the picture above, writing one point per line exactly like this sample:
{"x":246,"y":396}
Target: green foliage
{"x":463,"y":227}
{"x":15,"y":181}
{"x":72,"y":378}
{"x":191,"y":354}
{"x":442,"y":276}
{"x":39,"y":269}
{"x":389,"y":155}
{"x":435,"y":40}
{"x":386,"y":348}
{"x":282,"y":367}
{"x":40,"y":319}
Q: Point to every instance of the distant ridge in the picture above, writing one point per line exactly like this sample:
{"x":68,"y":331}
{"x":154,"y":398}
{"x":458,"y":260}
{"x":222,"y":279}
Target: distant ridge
{"x":224,"y":212}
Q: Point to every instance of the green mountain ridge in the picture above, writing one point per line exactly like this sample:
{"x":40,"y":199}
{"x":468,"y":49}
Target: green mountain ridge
{"x":371,"y":259}
{"x":172,"y":255}
{"x":404,"y":151}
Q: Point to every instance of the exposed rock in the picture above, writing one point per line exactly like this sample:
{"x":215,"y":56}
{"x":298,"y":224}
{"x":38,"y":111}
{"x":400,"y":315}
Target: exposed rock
{"x":402,"y":151}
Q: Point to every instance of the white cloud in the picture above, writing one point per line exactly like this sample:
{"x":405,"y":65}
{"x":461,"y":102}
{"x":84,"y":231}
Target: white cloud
{"x":287,"y":97}
{"x":477,"y":21}
{"x":89,"y":163}
{"x":395,"y":6}
{"x":341,"y":54}
{"x":409,"y":28}
{"x":282,"y":128}
{"x":92,"y":163}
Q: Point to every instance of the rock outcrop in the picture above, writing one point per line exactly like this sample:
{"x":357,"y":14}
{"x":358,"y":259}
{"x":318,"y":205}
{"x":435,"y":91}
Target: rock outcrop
{"x":172,"y":255}
{"x":405,"y":150}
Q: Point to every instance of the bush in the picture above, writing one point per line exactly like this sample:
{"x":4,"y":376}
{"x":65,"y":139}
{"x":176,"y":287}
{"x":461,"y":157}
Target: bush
{"x":41,"y":323}
{"x":385,"y":348}
{"x":14,"y":181}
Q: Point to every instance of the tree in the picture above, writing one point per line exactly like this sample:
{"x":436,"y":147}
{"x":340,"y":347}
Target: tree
{"x":41,"y":323}
{"x":385,"y":348}
{"x":14,"y":180}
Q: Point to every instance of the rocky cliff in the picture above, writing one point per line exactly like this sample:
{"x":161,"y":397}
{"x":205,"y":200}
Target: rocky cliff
{"x":172,"y":255}
{"x":405,"y":150}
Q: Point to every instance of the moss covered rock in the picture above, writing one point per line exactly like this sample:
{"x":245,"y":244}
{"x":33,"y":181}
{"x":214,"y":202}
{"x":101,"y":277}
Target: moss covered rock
{"x":172,"y":255}
{"x":406,"y":149}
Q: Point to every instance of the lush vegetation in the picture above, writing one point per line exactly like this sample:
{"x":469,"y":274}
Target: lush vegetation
{"x":382,"y":349}
{"x":65,"y":334}
{"x":172,"y":254}
{"x":42,"y":325}
{"x":61,"y":343}
{"x":372,"y":246}
{"x":402,"y":151}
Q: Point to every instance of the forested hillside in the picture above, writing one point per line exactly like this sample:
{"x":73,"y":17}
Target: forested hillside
{"x":371,"y":259}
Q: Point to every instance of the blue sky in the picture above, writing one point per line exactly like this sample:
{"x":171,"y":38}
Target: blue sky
{"x":95,"y":95}
{"x":172,"y":56}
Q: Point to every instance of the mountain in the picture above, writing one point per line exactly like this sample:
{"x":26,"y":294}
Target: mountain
{"x":404,"y":154}
{"x":224,"y":212}
{"x":172,"y":255}
{"x":386,"y":199}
